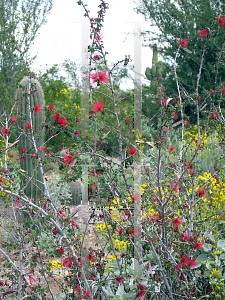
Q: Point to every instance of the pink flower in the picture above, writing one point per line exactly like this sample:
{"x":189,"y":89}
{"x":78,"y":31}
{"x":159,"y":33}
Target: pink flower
{"x":198,"y":245}
{"x":51,"y":107}
{"x":68,"y":159}
{"x":132,"y":150}
{"x":32,"y":279}
{"x":28,"y":126}
{"x":103,"y":77}
{"x":37,"y":108}
{"x":5,"y":131}
{"x":97,"y":106}
{"x":67,"y":262}
{"x":171,"y":148}
{"x":221,"y":21}
{"x":177,"y":222}
{"x":192,"y":263}
{"x":202,"y":32}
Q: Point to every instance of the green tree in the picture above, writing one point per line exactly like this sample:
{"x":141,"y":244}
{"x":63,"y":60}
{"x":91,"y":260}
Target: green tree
{"x":19,"y":25}
{"x":175,"y":20}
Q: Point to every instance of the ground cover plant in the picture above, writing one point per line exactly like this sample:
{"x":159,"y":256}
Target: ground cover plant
{"x":155,"y":226}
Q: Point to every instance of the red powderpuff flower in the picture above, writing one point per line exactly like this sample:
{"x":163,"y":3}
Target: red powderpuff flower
{"x":202,"y":32}
{"x":140,"y":287}
{"x":141,"y":294}
{"x":67,"y":262}
{"x":68,"y":159}
{"x":162,"y":102}
{"x":62,"y":121}
{"x":184,"y":260}
{"x":17,"y":203}
{"x":88,"y":293}
{"x":32,"y":279}
{"x":185,"y":237}
{"x":48,"y":152}
{"x":23,"y":150}
{"x":201,"y":192}
{"x":177,"y":222}
{"x":183,"y":43}
{"x":127,"y":120}
{"x":221,"y":21}
{"x":33,"y":155}
{"x":119,"y":279}
{"x":1,"y":180}
{"x":132,"y":150}
{"x":103,"y":77}
{"x":28,"y":126}
{"x":37,"y":108}
{"x":5,"y":131}
{"x":54,"y":231}
{"x":192,"y":263}
{"x":171,"y":148}
{"x":90,"y":257}
{"x":22,"y":158}
{"x":213,"y":115}
{"x":51,"y":107}
{"x":13,"y":119}
{"x":42,"y":148}
{"x":199,"y":245}
{"x":97,"y":106}
{"x":61,"y":250}
{"x":56,"y":115}
{"x":120,"y":230}
{"x":76,"y":132}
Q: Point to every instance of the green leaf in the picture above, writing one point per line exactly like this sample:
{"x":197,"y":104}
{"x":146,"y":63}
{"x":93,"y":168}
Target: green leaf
{"x":200,"y":258}
{"x":207,"y":247}
{"x":210,"y":237}
{"x":221,"y":245}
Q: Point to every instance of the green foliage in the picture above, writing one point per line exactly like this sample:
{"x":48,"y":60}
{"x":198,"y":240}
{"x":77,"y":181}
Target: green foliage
{"x":19,"y":24}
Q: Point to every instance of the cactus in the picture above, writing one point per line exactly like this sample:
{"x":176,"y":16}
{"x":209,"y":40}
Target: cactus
{"x":29,"y":164}
{"x":76,"y":191}
{"x":158,"y":67}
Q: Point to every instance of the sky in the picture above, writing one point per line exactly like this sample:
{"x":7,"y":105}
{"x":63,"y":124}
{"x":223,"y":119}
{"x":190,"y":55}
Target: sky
{"x":61,"y":37}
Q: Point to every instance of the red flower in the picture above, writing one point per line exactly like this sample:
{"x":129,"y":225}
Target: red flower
{"x":183,"y":43}
{"x":213,"y":115}
{"x":13,"y":119}
{"x":2,"y":283}
{"x":177,"y":222}
{"x":5,"y":131}
{"x":127,"y":120}
{"x":67,"y":159}
{"x":61,"y":250}
{"x":184,"y":260}
{"x":22,"y":158}
{"x":56,"y":115}
{"x":132,"y":150}
{"x":32,"y":155}
{"x":97,"y":106}
{"x":103,"y":77}
{"x":192,"y":263}
{"x":168,"y":129}
{"x":48,"y":152}
{"x":88,"y":293}
{"x":42,"y":148}
{"x":54,"y":231}
{"x":187,"y":122}
{"x":74,"y":225}
{"x":28,"y":126}
{"x":198,"y":245}
{"x":223,"y":91}
{"x":119,"y":279}
{"x":120,"y":230}
{"x":23,"y":150}
{"x":37,"y":108}
{"x":99,"y":37}
{"x":90,"y":257}
{"x":163,"y":102}
{"x":1,"y":180}
{"x":76,"y":132}
{"x":67,"y":262}
{"x":32,"y":279}
{"x":141,"y":294}
{"x":185,"y":237}
{"x":201,"y":192}
{"x":171,"y":148}
{"x":51,"y":107}
{"x":62,"y":121}
{"x":17,"y":203}
{"x":221,"y":21}
{"x":202,"y":32}
{"x":211,"y":91}
{"x":140,"y":286}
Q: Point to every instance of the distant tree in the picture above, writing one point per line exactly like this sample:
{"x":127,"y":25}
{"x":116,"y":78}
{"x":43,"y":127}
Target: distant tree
{"x":19,"y":25}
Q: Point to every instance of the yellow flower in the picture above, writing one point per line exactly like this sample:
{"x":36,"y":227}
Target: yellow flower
{"x":218,"y":252}
{"x":144,"y":185}
{"x":215,"y":272}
